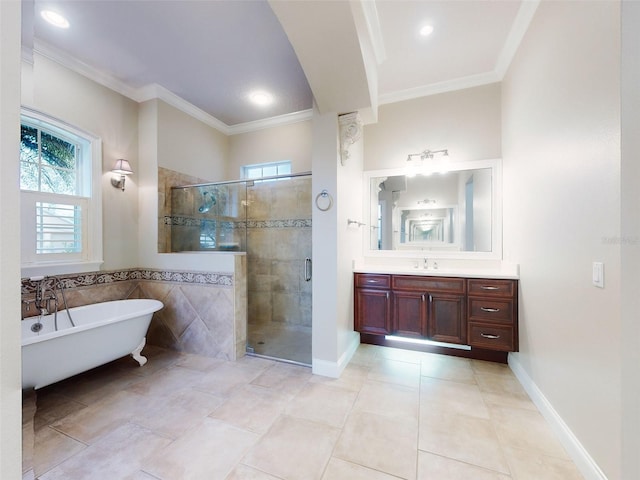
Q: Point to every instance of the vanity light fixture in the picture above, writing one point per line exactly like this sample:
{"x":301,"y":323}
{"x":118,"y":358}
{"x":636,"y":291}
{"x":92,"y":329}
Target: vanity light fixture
{"x":417,"y":162}
{"x":122,"y":168}
{"x":54,"y":18}
{"x":428,"y":154}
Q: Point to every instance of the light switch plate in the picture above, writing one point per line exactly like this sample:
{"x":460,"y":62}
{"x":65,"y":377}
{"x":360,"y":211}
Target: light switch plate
{"x":598,"y":274}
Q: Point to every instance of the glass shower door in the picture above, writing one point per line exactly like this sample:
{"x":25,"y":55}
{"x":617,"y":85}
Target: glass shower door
{"x":279,"y":268}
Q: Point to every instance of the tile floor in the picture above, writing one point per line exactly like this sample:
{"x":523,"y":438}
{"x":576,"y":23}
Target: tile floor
{"x":278,"y":340}
{"x":393,"y":414}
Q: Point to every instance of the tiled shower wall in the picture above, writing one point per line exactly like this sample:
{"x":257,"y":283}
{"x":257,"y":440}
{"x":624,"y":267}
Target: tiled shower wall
{"x":204,"y":313}
{"x":278,"y":241}
{"x":166,"y":179}
{"x":211,"y":217}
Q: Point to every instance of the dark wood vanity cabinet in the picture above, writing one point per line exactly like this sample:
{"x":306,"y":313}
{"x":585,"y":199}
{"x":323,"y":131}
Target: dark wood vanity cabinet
{"x":372,"y":304}
{"x":429,"y":307}
{"x":478,"y":312}
{"x":411,"y":306}
{"x":492,"y":314}
{"x":447,"y":322}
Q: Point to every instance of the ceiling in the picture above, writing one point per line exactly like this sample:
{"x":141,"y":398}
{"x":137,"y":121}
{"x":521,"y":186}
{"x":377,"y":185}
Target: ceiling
{"x":207,"y":56}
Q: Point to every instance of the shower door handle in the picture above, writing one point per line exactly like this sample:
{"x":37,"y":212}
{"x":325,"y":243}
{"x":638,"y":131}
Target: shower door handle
{"x":307,"y":269}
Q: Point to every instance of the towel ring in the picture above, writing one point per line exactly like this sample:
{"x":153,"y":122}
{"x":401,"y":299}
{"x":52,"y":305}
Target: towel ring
{"x":324,"y":194}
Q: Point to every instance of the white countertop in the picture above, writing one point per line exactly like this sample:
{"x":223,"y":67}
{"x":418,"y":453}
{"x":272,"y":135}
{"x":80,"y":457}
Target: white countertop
{"x":509,"y":272}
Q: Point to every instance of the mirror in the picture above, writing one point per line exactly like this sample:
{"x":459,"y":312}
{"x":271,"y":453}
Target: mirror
{"x":427,"y":225}
{"x":454,"y":212}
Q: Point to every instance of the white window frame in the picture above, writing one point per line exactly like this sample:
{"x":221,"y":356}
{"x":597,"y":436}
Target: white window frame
{"x":244,"y":170}
{"x":90,"y":259}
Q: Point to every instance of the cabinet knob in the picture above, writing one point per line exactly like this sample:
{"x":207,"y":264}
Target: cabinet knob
{"x":490,"y":310}
{"x":489,"y":287}
{"x":490,"y":336}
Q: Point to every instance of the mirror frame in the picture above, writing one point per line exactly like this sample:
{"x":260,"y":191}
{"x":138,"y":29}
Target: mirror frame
{"x":496,"y":215}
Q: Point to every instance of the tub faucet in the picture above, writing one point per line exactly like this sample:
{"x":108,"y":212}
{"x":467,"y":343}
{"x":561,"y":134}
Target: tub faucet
{"x":43,"y":301}
{"x":39,"y":300}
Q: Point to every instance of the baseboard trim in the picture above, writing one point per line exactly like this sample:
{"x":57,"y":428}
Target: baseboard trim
{"x":334,"y":369}
{"x":584,"y":462}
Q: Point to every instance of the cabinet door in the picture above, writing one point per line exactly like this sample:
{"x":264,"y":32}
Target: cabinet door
{"x":373,"y":311}
{"x":446,"y":318}
{"x":410,"y":314}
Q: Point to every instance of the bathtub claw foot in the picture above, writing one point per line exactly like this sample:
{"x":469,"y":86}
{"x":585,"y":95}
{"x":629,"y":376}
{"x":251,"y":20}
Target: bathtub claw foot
{"x":136,"y":354}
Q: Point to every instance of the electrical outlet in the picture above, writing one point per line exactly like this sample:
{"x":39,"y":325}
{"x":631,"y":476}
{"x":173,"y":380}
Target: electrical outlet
{"x":598,"y":274}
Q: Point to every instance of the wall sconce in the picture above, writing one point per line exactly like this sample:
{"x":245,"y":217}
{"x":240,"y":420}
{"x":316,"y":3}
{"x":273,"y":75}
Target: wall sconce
{"x":122,"y":168}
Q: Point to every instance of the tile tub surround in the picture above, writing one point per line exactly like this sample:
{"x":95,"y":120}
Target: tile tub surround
{"x":204,"y":312}
{"x":188,"y":416}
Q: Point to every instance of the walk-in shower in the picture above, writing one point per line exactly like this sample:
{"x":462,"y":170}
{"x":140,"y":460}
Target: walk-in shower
{"x":269,"y":219}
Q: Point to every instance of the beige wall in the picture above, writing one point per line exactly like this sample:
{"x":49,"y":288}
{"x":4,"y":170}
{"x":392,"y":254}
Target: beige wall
{"x":335,"y":246}
{"x":155,"y":119}
{"x":68,"y":96}
{"x":561,"y":149}
{"x":630,"y":239}
{"x":287,"y":142}
{"x":10,"y":396}
{"x":467,"y":122}
{"x":187,"y":145}
{"x":325,"y":244}
{"x":349,"y":204}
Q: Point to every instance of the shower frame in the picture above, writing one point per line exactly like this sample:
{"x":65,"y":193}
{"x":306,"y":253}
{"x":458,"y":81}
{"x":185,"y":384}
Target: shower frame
{"x":253,"y":278}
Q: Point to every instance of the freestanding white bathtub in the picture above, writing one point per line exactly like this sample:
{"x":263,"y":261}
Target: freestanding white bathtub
{"x":104,"y":332}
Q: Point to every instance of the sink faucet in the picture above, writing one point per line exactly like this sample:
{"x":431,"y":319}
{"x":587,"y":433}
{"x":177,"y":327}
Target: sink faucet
{"x":426,"y":263}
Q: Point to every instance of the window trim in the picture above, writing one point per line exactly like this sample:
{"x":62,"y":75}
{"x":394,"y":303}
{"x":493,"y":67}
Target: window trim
{"x":245,"y":168}
{"x":92,"y":259}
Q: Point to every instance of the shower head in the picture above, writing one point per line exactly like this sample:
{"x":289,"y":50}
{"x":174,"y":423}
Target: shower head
{"x":209,"y":201}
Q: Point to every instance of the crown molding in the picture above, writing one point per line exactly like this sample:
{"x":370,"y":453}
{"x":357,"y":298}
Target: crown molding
{"x":286,"y":119}
{"x":442,"y":87}
{"x":514,"y":38}
{"x":154,"y":91}
{"x":26,"y":53}
{"x":516,"y":34}
{"x":75,"y":65}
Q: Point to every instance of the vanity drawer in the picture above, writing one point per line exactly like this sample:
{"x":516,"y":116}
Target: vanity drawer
{"x":493,"y":337}
{"x":372,"y":280}
{"x":428,"y":284}
{"x":491,"y":287}
{"x":490,"y":310}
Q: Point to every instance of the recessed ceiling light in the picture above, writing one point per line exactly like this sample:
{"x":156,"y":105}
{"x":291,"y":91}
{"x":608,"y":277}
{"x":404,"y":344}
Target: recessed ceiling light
{"x":55,"y":19}
{"x":261,"y":98}
{"x":426,"y":30}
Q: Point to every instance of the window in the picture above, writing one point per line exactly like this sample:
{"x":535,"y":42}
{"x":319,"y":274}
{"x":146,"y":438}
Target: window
{"x":60,"y":171}
{"x":261,"y":170}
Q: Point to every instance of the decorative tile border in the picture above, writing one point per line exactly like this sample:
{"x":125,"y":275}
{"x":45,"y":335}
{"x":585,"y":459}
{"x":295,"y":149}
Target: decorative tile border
{"x":181,"y":221}
{"x":286,"y":223}
{"x":184,"y":221}
{"x":102,"y":278}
